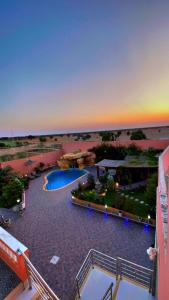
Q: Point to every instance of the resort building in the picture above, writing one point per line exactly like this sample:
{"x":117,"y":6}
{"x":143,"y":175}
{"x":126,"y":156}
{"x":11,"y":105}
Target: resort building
{"x":97,"y":273}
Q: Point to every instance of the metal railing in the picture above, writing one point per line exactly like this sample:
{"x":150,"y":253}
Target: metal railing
{"x":109,"y":293}
{"x":35,"y":279}
{"x":132,"y":271}
{"x":118,"y":267}
{"x":94,"y":257}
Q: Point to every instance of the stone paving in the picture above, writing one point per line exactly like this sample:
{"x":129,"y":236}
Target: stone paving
{"x":53,"y":226}
{"x":8,"y":280}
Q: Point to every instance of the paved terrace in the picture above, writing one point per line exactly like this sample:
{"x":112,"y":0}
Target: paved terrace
{"x":52,"y":226}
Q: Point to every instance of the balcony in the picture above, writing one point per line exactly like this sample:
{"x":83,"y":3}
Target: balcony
{"x":103,"y":278}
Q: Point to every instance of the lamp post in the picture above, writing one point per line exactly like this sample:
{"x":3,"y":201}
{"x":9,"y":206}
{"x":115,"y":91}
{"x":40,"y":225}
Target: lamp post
{"x":116,"y":185}
{"x":148,"y":217}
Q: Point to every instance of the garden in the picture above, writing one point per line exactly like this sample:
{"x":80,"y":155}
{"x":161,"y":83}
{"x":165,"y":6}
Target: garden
{"x":140,"y":202}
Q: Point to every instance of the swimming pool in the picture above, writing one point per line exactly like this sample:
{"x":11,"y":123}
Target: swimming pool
{"x":60,"y":178}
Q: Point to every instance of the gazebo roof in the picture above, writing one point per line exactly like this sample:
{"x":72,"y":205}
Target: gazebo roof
{"x":130,"y":163}
{"x":109,"y":163}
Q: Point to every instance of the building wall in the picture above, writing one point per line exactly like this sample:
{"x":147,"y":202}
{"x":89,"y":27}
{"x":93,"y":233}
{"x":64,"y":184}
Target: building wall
{"x":144,"y":144}
{"x":20,"y":166}
{"x":163,"y":247}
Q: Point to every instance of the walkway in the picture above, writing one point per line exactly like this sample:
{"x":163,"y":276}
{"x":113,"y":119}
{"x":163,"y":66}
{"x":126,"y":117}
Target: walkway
{"x":52,"y":226}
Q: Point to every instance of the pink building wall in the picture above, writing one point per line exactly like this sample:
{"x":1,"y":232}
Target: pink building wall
{"x":162,"y":245}
{"x":20,"y":166}
{"x":144,"y":144}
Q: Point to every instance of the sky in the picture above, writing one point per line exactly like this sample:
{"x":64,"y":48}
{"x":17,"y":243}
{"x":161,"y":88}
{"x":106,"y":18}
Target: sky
{"x":70,"y":66}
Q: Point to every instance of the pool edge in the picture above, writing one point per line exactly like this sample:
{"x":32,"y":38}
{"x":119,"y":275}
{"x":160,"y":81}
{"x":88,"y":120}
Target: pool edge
{"x":61,"y":188}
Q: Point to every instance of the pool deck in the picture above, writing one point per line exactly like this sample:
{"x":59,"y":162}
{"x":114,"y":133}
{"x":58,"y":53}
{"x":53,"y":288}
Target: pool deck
{"x":53,"y":226}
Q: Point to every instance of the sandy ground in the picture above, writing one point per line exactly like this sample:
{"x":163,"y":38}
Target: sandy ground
{"x":156,"y":133}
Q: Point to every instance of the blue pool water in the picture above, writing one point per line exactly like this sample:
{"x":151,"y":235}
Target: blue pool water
{"x":60,"y":178}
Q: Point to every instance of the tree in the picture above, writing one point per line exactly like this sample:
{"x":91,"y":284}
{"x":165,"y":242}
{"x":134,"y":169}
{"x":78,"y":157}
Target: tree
{"x":2,"y":145}
{"x":106,"y":151}
{"x":86,"y":137}
{"x":11,"y":187}
{"x":11,"y":192}
{"x":133,"y":150}
{"x":42,"y":139}
{"x":31,"y":137}
{"x":107,"y":136}
{"x":138,"y":135}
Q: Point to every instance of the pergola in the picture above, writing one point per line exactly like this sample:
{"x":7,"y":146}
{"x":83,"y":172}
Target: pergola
{"x":109,"y":164}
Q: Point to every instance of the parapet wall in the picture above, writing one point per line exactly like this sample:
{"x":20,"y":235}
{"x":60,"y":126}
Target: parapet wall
{"x":144,"y":144}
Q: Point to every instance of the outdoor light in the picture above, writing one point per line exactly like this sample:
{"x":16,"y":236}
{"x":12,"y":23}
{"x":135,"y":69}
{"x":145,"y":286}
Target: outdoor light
{"x":117,"y":184}
{"x":18,"y":200}
{"x":105,"y":206}
{"x":149,"y":217}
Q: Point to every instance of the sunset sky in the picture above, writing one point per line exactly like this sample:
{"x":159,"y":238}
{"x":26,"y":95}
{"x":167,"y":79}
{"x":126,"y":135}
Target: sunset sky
{"x":83,"y":65}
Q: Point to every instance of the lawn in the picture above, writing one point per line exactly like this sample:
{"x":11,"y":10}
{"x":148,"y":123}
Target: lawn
{"x":130,"y":201}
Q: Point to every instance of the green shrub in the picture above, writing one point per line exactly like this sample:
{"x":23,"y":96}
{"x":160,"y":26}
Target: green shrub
{"x":21,"y":155}
{"x":2,"y":145}
{"x":138,"y":135}
{"x":6,"y":157}
{"x":110,"y":185}
{"x":42,"y":139}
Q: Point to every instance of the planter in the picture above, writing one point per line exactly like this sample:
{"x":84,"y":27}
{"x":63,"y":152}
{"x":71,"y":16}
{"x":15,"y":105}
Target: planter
{"x":112,"y":210}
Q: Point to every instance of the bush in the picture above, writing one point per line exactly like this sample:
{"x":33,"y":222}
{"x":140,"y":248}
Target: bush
{"x":25,"y":182}
{"x":21,"y":154}
{"x":138,"y":135}
{"x":133,"y":150}
{"x":42,"y":139}
{"x":107,"y":136}
{"x":6,"y":157}
{"x":110,"y":185}
{"x":31,"y":137}
{"x":2,"y":145}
